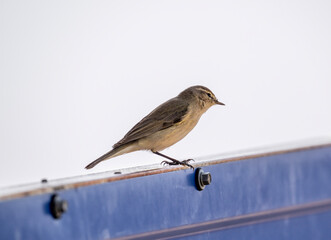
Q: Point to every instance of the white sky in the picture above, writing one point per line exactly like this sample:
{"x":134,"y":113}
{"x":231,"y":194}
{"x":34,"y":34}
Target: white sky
{"x":77,"y":75}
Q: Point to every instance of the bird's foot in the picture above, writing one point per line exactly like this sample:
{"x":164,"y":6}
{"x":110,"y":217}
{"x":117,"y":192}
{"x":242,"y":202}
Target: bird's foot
{"x":164,"y":163}
{"x":183,"y":163}
{"x":188,"y":160}
{"x":186,"y":163}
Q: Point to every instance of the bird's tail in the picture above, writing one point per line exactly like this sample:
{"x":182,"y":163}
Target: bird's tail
{"x":112,"y":153}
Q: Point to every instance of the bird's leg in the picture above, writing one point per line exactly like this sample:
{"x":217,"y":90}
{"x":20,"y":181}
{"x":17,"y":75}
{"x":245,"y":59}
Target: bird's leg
{"x":175,"y":161}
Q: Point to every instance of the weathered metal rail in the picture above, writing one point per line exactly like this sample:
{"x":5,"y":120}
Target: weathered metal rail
{"x":282,"y":193}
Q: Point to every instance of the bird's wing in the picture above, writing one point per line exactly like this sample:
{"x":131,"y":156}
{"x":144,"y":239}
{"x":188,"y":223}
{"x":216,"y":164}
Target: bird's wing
{"x":164,"y":116}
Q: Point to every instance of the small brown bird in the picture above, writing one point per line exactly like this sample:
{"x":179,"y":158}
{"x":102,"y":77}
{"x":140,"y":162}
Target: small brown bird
{"x":165,"y":125}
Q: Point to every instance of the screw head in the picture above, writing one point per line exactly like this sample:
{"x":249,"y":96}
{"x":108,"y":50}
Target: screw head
{"x":58,"y":206}
{"x":206,"y":178}
{"x":44,"y":180}
{"x":202,"y":179}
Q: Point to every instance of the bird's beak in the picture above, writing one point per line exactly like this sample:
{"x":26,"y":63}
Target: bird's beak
{"x":219,"y":103}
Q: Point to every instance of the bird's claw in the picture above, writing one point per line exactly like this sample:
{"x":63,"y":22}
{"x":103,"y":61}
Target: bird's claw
{"x":186,"y":164}
{"x":188,"y":160}
{"x":183,"y":163}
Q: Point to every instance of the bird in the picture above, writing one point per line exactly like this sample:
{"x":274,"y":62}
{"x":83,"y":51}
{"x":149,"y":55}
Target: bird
{"x":165,"y":125}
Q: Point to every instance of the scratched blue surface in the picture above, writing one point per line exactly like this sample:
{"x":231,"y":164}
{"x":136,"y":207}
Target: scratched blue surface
{"x":169,"y":200}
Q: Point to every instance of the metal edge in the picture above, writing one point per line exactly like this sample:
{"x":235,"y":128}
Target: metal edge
{"x":48,"y":187}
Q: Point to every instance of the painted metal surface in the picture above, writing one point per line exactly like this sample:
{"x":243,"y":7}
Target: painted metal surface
{"x":284,"y":195}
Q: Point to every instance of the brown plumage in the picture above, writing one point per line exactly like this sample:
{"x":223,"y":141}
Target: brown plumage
{"x":165,"y":125}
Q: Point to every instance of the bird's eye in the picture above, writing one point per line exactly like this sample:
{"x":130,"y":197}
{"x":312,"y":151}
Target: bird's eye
{"x":209,"y":95}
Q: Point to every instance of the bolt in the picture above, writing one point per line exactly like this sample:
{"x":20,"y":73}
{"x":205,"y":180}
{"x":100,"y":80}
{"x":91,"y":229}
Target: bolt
{"x":58,"y":206}
{"x":206,"y":178}
{"x":202,"y":179}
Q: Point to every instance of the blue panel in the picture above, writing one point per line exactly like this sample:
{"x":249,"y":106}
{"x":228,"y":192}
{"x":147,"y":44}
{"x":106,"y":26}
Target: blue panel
{"x":168,"y":200}
{"x":311,"y":227}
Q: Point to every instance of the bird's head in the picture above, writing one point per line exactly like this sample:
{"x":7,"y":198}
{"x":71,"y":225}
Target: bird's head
{"x":201,"y":95}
